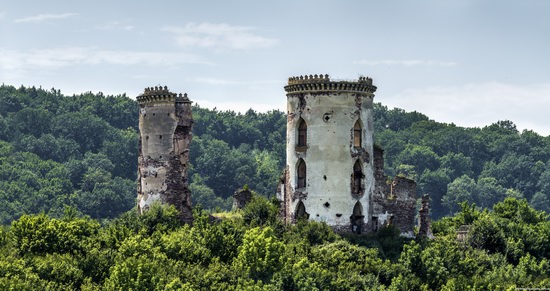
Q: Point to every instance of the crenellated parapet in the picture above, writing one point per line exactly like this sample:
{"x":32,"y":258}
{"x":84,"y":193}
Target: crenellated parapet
{"x":322,"y":83}
{"x":161,"y":94}
{"x":308,"y":79}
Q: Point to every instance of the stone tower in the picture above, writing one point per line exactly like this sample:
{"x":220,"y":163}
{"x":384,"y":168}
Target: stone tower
{"x":334,"y":173}
{"x":165,"y":124}
{"x":329,"y":147}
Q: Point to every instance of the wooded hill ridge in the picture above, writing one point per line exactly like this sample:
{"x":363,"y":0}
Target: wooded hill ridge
{"x":81,"y":151}
{"x":67,"y":186}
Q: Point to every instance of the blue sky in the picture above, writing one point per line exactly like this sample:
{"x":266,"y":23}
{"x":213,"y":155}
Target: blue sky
{"x":471,"y":63}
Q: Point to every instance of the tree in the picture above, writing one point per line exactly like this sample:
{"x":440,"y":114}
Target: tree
{"x":39,"y":234}
{"x":462,"y":189}
{"x":260,"y":254}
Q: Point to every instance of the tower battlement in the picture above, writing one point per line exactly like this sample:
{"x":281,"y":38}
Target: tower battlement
{"x":159,"y":94}
{"x":323,"y":83}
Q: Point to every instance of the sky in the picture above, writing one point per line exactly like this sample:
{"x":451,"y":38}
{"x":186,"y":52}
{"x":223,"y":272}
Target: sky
{"x":469,"y":62}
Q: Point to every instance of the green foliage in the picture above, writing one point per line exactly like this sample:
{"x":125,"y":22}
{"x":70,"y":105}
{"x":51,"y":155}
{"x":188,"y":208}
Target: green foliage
{"x":205,"y":196}
{"x":312,"y":232}
{"x":159,"y":218}
{"x":487,"y":234}
{"x":41,"y":129}
{"x":185,"y":244}
{"x":59,"y":268}
{"x":506,"y":248}
{"x":41,"y":234}
{"x":260,"y":211}
{"x":260,"y":253}
{"x":519,"y":211}
{"x":455,"y":164}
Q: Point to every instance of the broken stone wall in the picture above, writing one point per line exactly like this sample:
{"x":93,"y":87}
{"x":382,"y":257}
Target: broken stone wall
{"x":392,"y":203}
{"x":241,"y":197}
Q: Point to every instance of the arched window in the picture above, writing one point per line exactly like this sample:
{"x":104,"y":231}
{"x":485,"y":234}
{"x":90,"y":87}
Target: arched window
{"x":302,"y":132}
{"x":301,"y":211}
{"x":357,"y":135}
{"x":357,"y":186}
{"x":358,"y":210}
{"x":301,"y":183}
{"x":356,"y":218}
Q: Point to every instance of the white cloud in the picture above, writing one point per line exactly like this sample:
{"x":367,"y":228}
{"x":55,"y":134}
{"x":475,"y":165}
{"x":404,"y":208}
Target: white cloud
{"x":219,"y":36}
{"x":407,"y":63}
{"x":218,"y":81}
{"x":44,"y":17}
{"x":480,"y":104}
{"x":17,"y":63}
{"x":115,"y":25}
{"x":61,"y":57}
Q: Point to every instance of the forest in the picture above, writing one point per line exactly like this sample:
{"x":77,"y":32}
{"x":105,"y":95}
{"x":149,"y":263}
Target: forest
{"x":68,"y":185}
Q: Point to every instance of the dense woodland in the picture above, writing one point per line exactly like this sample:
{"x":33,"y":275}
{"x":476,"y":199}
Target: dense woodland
{"x":68,"y":183}
{"x":81,"y":151}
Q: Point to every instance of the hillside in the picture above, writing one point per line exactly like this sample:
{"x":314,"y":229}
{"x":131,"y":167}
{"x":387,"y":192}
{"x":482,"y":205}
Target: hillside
{"x":81,"y":151}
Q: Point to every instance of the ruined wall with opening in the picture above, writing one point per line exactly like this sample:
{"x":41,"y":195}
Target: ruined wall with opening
{"x":165,"y":124}
{"x":393,"y":202}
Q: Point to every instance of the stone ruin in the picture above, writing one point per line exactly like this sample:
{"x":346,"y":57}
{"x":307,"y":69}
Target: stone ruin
{"x":165,"y":125}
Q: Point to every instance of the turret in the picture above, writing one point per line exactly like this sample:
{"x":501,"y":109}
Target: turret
{"x":329,"y":148}
{"x":165,"y":124}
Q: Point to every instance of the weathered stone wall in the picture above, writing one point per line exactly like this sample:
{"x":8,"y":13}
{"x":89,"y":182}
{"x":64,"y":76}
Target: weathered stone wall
{"x":165,"y":123}
{"x":241,"y":197}
{"x":424,"y":223}
{"x":392,"y":203}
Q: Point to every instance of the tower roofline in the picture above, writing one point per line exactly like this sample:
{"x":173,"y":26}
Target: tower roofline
{"x":323,"y":83}
{"x":159,"y":94}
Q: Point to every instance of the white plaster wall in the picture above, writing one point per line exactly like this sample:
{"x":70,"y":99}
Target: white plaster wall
{"x":329,"y":154}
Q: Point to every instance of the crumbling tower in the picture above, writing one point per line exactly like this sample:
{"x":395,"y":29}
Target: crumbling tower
{"x":165,"y":124}
{"x":329,"y":175}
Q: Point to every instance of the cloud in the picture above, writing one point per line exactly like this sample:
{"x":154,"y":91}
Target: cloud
{"x":115,"y":25}
{"x":218,"y":81}
{"x":219,"y":36}
{"x":44,"y":17}
{"x":56,"y":58}
{"x":215,"y":81}
{"x":407,"y":63}
{"x":480,"y":104}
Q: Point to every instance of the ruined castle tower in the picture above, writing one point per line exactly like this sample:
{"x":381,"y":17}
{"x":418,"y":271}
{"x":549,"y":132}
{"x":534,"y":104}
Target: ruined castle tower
{"x":334,"y":173}
{"x":329,"y":148}
{"x":165,"y":123}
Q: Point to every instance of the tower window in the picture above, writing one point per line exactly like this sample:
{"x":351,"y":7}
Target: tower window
{"x":357,"y":182}
{"x":357,"y":135}
{"x":302,"y":132}
{"x":300,"y":212}
{"x":301,"y":174}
